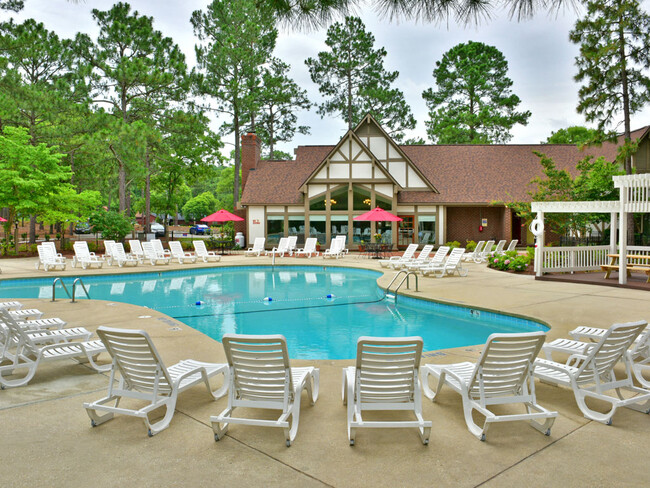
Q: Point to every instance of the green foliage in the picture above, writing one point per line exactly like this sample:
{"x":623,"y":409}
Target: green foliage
{"x":473,"y":103}
{"x":510,"y":260}
{"x":452,"y":244}
{"x":614,"y":39}
{"x":470,"y":246}
{"x":576,"y":134}
{"x":280,"y":156}
{"x":14,"y":5}
{"x":279,"y":100}
{"x":112,"y":225}
{"x":352,"y":78}
{"x":200,"y":206}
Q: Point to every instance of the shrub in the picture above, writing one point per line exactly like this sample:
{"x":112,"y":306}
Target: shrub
{"x":452,"y":244}
{"x":22,"y":248}
{"x":113,"y":225}
{"x":510,"y":261}
{"x":33,"y":248}
{"x":47,"y":237}
{"x":470,"y":246}
{"x":92,"y":246}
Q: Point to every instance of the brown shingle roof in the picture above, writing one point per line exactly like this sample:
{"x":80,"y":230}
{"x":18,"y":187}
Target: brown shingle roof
{"x":469,"y":174}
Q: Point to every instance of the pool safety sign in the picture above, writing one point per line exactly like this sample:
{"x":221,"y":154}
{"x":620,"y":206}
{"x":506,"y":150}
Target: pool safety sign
{"x":483,"y":222}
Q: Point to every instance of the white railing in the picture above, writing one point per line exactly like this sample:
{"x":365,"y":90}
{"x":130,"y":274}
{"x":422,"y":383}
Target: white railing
{"x":582,"y":258}
{"x":567,"y":259}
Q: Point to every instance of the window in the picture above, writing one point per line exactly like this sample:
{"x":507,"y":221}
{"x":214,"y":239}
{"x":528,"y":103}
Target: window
{"x":274,"y":228}
{"x":361,"y":232}
{"x":361,"y":199}
{"x":317,"y":203}
{"x":383,"y":202}
{"x":339,"y":198}
{"x":339,"y":225}
{"x":427,"y":229}
{"x":297,"y":227}
{"x":317,"y":228}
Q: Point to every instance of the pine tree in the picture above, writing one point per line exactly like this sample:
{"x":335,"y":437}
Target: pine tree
{"x":473,"y":103}
{"x":352,"y":77}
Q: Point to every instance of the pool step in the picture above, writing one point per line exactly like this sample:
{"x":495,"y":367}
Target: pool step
{"x":390,"y":296}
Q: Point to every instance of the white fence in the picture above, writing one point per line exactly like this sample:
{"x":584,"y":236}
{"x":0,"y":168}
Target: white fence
{"x":582,"y":258}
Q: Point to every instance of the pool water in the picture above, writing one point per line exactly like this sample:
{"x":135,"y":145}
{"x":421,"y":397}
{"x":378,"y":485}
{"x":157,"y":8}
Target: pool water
{"x":321,"y":311}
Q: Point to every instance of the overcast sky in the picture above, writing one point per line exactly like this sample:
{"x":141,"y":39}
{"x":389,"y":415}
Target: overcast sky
{"x":539,"y":54}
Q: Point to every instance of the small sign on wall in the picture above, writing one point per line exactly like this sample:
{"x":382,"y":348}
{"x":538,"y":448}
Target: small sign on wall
{"x":256,"y":221}
{"x":484,"y":222}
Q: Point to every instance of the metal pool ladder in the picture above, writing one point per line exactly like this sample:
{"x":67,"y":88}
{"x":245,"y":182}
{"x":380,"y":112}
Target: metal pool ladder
{"x":393,"y":296}
{"x":74,"y":288}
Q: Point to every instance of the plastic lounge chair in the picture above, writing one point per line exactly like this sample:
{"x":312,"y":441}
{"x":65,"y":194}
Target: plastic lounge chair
{"x":503,"y":375}
{"x":120,"y":256}
{"x":84,"y":257}
{"x":202,"y":253}
{"x":143,"y":376}
{"x":26,"y":313}
{"x":437,"y":260}
{"x":158,"y":247}
{"x":108,"y":251}
{"x":309,"y":249}
{"x":386,"y":377}
{"x":261,"y":377}
{"x":449,"y":267}
{"x":512,"y":245}
{"x":499,"y":250}
{"x":291,"y":245}
{"x":335,"y":250}
{"x":257,"y":249}
{"x":136,"y":250}
{"x":26,"y":351}
{"x":487,"y":252}
{"x":638,"y":354}
{"x":281,"y":249}
{"x":591,"y":374}
{"x":343,"y":239}
{"x":48,"y":258}
{"x":13,"y":305}
{"x":415,"y":262}
{"x":471,"y":256}
{"x":404,"y":258}
{"x":152,"y":255}
{"x":179,"y":254}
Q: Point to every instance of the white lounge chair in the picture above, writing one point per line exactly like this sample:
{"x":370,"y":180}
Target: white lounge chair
{"x":513,"y":244}
{"x":143,"y":376}
{"x":24,"y":350}
{"x":638,"y":354}
{"x":503,"y":375}
{"x":415,"y":262}
{"x":179,"y":254}
{"x":499,"y":249}
{"x":291,"y":245}
{"x":404,"y":258}
{"x":108,"y":252}
{"x":136,"y":250}
{"x":84,"y":257}
{"x":437,"y":260}
{"x":476,"y":253}
{"x":452,"y":265}
{"x":309,"y":249}
{"x":120,"y":256}
{"x":281,"y":249}
{"x":202,"y":253}
{"x":157,"y":245}
{"x":487,"y":252}
{"x":48,"y":258}
{"x":343,"y":239}
{"x":12,"y":305}
{"x":591,"y":374}
{"x":151,"y":255}
{"x":335,"y":250}
{"x":257,"y":249}
{"x":386,"y":377}
{"x":262,"y":377}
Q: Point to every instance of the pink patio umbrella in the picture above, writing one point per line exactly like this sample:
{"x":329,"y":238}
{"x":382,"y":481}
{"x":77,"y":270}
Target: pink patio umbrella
{"x":378,"y":215}
{"x":222,"y":216}
{"x":2,"y":220}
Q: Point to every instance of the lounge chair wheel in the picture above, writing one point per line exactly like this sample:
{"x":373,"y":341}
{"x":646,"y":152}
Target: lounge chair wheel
{"x":609,"y":422}
{"x":352,"y":442}
{"x":548,"y":432}
{"x":482,"y":437}
{"x":217,"y":438}
{"x":149,"y":433}
{"x":93,"y":423}
{"x":288,"y":443}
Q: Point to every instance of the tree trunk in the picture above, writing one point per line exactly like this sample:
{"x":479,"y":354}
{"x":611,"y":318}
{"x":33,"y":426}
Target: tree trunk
{"x":627,"y":132}
{"x":147,"y":195}
{"x":32,"y":229}
{"x":349,"y":100}
{"x":237,"y":160}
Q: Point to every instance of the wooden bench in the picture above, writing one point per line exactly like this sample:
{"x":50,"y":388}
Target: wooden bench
{"x":608,"y":268}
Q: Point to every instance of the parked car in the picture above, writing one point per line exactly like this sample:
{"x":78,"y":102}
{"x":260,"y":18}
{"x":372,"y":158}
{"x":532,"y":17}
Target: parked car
{"x":83,"y":228}
{"x":158,"y":229}
{"x":200,"y":229}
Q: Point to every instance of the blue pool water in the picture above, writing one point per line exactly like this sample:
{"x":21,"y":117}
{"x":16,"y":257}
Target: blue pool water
{"x":236,"y":299}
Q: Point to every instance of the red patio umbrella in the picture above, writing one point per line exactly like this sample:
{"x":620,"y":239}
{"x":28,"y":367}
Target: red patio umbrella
{"x":2,"y":220}
{"x":222,"y":216}
{"x":378,"y":215}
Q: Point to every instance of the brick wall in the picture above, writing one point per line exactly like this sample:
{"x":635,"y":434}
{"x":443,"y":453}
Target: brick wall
{"x":463,"y":223}
{"x":250,"y":156}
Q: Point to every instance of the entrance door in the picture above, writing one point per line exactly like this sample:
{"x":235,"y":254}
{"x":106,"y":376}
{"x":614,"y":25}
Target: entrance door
{"x":406,"y":231}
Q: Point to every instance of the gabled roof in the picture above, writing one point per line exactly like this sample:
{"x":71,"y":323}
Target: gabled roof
{"x":350,"y":134}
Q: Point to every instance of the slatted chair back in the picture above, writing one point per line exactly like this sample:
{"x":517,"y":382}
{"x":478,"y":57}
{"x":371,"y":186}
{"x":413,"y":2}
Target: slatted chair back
{"x":310,"y":245}
{"x":258,"y":244}
{"x":387,"y":369}
{"x":504,"y":368}
{"x":291,"y":243}
{"x":424,"y":253}
{"x":108,"y":247}
{"x":409,"y":252}
{"x":158,"y":247}
{"x":15,"y":334}
{"x":440,"y":255}
{"x":81,"y":251}
{"x":487,"y":250}
{"x":176,"y":249}
{"x":199,"y":248}
{"x":136,"y":248}
{"x":603,"y":356}
{"x":119,"y":253}
{"x":500,"y":245}
{"x":260,"y":369}
{"x":149,"y":251}
{"x":512,"y":245}
{"x":454,"y":258}
{"x":137,"y":360}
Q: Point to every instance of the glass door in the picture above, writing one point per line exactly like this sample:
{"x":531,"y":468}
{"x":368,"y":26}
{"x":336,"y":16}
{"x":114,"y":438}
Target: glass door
{"x":406,"y":231}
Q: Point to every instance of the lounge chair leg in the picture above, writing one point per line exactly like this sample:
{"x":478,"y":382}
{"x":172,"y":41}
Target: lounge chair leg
{"x":153,"y":429}
{"x":543,"y":427}
{"x":6,"y":383}
{"x":605,"y":418}
{"x":218,"y":429}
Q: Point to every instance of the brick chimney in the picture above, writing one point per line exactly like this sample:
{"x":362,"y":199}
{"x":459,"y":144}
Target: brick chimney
{"x":250,"y":155}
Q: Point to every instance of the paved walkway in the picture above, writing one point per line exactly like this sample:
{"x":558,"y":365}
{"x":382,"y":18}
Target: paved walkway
{"x":47,"y":439}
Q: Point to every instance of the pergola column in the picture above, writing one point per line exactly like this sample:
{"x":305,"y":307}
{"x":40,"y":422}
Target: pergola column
{"x":622,"y":240}
{"x":613,"y":227}
{"x":539,"y":243}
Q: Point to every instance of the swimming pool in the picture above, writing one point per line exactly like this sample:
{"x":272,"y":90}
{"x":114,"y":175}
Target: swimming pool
{"x":320,"y":310}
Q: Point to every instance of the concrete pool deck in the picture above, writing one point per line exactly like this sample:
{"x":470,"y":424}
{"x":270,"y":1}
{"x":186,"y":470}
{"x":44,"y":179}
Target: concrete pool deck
{"x":48,"y":441}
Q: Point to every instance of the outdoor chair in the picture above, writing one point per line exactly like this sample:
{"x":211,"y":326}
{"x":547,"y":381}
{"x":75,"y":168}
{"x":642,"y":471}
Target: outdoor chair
{"x":201,"y":252}
{"x":404,"y":258}
{"x":281,"y":249}
{"x":437,"y":260}
{"x":48,"y":258}
{"x":415,"y":262}
{"x":449,"y":267}
{"x":503,"y":375}
{"x":513,"y":244}
{"x":343,"y":239}
{"x":143,"y":376}
{"x":257,"y":249}
{"x":152,"y":255}
{"x":120,"y":256}
{"x":385,"y":378}
{"x":309,"y":249}
{"x":499,"y":249}
{"x":487,"y":252}
{"x":108,"y":252}
{"x":476,"y":253}
{"x":590,"y":374}
{"x":177,"y":252}
{"x":291,"y":244}
{"x":158,"y":246}
{"x":335,"y":250}
{"x":84,"y":257}
{"x":136,"y":250}
{"x":261,"y":377}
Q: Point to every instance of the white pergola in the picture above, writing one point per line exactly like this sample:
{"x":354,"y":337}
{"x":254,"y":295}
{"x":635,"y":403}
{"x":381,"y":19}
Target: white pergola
{"x":634,"y":198}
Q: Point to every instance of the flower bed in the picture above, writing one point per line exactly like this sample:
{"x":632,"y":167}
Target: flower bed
{"x":513,"y":261}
